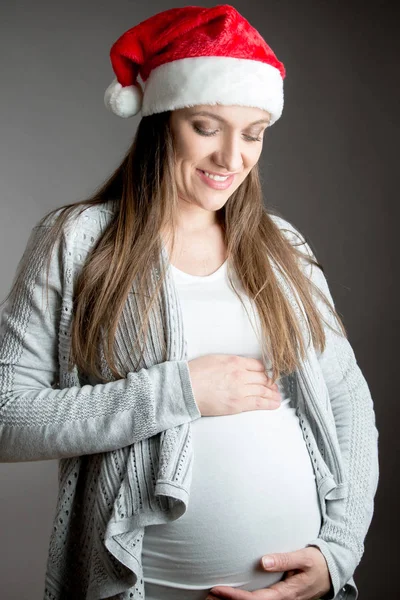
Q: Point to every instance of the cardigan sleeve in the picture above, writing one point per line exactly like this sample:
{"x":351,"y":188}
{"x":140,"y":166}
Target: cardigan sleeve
{"x":346,"y":520}
{"x":38,"y":421}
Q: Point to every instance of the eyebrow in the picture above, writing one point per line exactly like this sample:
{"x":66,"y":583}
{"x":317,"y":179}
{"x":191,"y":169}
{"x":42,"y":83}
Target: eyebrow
{"x":205,"y":113}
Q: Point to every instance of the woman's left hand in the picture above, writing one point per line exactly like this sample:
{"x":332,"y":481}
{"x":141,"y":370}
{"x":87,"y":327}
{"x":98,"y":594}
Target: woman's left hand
{"x":307,"y":578}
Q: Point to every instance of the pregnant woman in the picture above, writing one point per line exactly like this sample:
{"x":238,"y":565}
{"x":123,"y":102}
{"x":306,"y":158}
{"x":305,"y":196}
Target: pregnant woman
{"x":174,"y":344}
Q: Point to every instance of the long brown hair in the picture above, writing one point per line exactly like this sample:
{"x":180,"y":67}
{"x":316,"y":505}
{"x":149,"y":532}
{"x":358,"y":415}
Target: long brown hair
{"x":143,"y":188}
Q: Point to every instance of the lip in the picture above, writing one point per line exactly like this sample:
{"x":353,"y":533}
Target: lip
{"x":216,"y":185}
{"x":215,"y":173}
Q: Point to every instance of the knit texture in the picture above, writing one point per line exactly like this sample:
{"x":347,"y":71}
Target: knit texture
{"x":125,"y":448}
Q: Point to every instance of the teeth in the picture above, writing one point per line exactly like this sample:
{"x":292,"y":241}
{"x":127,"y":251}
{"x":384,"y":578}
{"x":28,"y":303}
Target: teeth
{"x":216,"y":177}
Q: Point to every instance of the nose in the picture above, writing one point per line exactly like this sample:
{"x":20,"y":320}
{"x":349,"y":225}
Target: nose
{"x":229,"y":154}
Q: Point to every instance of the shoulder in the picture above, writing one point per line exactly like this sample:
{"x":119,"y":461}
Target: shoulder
{"x":294,"y":236}
{"x":292,"y":233}
{"x":82,"y":219}
{"x":71,"y":241}
{"x":297,"y":239}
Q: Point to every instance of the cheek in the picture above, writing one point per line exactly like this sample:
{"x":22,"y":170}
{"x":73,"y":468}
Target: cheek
{"x":188,"y":152}
{"x":193,"y":148}
{"x":253,"y":154}
{"x":185,"y":141}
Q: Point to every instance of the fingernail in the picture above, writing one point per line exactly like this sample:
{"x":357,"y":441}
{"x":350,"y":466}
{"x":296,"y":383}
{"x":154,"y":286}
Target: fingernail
{"x":268,"y":562}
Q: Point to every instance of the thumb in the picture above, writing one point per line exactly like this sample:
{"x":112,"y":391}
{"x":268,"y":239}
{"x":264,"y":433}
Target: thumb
{"x":284,"y":561}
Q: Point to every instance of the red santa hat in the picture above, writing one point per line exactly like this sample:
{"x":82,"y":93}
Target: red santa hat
{"x":194,"y":55}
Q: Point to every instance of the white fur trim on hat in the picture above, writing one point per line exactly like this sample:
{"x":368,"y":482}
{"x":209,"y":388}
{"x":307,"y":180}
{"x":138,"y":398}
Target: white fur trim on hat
{"x":214,"y":80}
{"x":123,"y":101}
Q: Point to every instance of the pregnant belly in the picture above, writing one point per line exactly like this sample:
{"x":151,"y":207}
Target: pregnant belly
{"x":253,"y":492}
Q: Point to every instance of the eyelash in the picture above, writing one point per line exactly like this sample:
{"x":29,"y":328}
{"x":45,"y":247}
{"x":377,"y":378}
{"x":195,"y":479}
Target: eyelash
{"x":202,"y":132}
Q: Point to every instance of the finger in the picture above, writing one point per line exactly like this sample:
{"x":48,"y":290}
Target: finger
{"x":290,"y":573}
{"x":284,"y":589}
{"x":252,"y":403}
{"x":270,"y":382}
{"x":286,"y":561}
{"x":262,"y":391}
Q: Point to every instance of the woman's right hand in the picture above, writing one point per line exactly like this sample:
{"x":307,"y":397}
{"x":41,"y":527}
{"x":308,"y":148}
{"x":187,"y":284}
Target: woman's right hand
{"x":227,"y":384}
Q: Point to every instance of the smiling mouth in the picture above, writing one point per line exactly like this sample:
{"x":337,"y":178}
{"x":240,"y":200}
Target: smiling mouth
{"x":216,"y":176}
{"x":216,"y":183}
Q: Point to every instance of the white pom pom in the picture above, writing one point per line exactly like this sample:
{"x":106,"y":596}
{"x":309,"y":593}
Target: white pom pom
{"x":123,"y":101}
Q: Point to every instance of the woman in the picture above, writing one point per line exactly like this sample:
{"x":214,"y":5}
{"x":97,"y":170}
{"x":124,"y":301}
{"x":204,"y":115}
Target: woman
{"x":125,"y":325}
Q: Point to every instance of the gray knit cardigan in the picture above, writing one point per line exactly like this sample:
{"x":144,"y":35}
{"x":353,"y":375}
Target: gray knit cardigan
{"x":125,"y":447}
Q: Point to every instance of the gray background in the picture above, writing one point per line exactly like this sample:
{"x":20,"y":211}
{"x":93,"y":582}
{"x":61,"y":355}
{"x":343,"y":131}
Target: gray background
{"x":328,"y":165}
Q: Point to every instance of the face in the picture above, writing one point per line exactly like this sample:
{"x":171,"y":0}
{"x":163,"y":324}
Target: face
{"x":222,"y":140}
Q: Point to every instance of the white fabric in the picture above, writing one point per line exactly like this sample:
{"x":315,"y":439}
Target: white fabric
{"x":230,"y":523}
{"x":214,"y":80}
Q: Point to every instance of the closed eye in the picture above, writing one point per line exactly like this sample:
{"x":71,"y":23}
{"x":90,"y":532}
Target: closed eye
{"x":249,"y":138}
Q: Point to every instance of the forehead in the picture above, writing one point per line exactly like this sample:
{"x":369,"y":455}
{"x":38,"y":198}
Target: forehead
{"x":234,"y":115}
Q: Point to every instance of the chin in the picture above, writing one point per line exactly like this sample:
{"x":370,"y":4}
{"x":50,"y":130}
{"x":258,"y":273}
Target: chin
{"x":214,"y":201}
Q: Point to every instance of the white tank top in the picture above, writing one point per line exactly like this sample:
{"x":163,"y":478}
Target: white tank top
{"x":253,"y":486}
